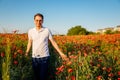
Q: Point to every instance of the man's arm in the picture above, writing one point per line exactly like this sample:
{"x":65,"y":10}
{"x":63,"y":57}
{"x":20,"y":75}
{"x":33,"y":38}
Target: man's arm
{"x":28,"y":46}
{"x":63,"y":56}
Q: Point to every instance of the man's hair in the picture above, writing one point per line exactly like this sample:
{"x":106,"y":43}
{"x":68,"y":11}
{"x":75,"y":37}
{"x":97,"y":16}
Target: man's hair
{"x":39,"y":14}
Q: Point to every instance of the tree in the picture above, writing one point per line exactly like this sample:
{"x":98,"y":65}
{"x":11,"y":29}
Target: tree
{"x":77,"y":30}
{"x":108,"y":32}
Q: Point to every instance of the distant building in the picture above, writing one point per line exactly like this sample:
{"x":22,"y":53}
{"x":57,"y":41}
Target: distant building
{"x":110,"y":28}
{"x":101,"y":31}
{"x":117,"y":28}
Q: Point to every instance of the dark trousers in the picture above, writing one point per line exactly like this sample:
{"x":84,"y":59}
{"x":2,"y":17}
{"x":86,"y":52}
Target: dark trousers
{"x":40,"y":68}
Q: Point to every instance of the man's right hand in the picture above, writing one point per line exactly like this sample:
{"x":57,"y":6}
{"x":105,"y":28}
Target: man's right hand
{"x":26,"y":54}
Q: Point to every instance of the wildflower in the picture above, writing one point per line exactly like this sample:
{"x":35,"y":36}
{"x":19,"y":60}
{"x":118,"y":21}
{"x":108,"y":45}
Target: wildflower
{"x":118,"y":78}
{"x":69,"y":63}
{"x":99,"y":77}
{"x":70,"y":70}
{"x":87,"y":76}
{"x":119,"y":73}
{"x":116,"y":58}
{"x":72,"y":77}
{"x":85,"y":54}
{"x":80,"y":63}
{"x":99,"y":60}
{"x":15,"y":62}
{"x":57,"y":73}
{"x":104,"y":68}
{"x":91,"y":63}
{"x":14,"y":47}
{"x":109,"y":69}
{"x":79,"y":52}
{"x":69,"y":53}
{"x":110,"y":75}
{"x":61,"y":68}
{"x":20,"y":51}
{"x":2,"y":54}
{"x":98,"y":65}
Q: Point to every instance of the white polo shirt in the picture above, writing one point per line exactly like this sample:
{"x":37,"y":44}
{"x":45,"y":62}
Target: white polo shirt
{"x":40,"y":42}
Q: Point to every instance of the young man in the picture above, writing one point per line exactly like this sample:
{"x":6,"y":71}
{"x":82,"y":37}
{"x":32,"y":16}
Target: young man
{"x":38,"y":38}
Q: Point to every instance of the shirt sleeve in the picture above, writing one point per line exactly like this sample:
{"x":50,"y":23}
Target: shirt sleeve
{"x":29,"y":35}
{"x":50,"y":34}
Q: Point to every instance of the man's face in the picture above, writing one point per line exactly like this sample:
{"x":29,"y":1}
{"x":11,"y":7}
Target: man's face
{"x":38,"y":21}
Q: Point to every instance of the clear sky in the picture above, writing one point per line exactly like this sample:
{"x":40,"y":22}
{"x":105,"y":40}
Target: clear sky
{"x":60,"y":15}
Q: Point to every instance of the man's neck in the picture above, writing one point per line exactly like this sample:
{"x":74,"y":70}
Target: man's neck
{"x":38,"y":28}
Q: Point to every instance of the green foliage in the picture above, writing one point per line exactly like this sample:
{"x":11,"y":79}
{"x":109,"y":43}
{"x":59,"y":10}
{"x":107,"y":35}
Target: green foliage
{"x":6,"y":62}
{"x":116,"y":32}
{"x":111,"y":32}
{"x":77,"y":30}
{"x":108,"y":32}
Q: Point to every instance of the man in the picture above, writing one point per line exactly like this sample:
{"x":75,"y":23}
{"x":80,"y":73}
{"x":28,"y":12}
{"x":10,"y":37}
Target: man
{"x":38,"y":38}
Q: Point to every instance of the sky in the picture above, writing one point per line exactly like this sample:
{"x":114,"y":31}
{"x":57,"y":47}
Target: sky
{"x":59,"y":15}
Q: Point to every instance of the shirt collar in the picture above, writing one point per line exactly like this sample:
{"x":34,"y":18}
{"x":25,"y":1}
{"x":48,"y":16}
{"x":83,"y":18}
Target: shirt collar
{"x":40,"y":29}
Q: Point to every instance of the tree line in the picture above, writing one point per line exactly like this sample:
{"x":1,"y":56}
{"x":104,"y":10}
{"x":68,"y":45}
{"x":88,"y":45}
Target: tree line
{"x":79,"y":30}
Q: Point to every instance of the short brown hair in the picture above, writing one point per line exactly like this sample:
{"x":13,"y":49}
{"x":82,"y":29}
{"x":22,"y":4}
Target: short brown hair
{"x":39,"y":14}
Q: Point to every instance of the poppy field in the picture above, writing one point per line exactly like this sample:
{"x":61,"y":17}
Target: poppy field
{"x":92,"y":57}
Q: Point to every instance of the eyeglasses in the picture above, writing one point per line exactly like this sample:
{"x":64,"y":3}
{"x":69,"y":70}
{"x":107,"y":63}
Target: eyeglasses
{"x":38,"y":20}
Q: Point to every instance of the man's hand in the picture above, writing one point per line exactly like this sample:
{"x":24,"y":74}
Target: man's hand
{"x":26,"y":54}
{"x":64,"y":57}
